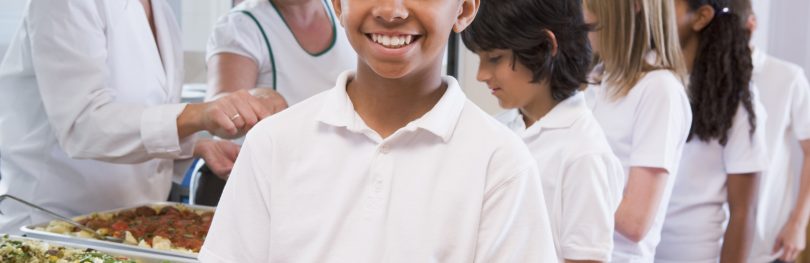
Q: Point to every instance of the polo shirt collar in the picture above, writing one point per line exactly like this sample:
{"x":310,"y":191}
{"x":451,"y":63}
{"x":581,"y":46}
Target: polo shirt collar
{"x":562,"y":116}
{"x":440,"y":121}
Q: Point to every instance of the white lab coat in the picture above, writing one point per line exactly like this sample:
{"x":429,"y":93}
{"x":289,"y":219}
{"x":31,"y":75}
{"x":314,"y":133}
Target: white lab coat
{"x":88,"y":108}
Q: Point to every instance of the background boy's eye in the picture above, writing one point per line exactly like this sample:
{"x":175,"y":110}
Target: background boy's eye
{"x":494,"y":59}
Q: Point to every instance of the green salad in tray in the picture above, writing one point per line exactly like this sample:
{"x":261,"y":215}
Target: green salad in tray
{"x":30,"y":251}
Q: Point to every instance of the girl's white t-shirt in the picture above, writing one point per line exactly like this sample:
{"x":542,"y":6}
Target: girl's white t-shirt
{"x":582,"y":179}
{"x":697,"y":215}
{"x":646,"y":128}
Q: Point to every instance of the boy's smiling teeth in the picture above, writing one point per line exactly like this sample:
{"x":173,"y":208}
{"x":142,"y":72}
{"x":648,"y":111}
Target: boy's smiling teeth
{"x":392,"y":41}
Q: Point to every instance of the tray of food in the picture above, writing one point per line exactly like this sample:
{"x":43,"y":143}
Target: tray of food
{"x":15,"y":249}
{"x":164,"y":228}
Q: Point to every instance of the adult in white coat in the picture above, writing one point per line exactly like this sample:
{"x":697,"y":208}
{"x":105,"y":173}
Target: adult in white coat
{"x":89,"y":112}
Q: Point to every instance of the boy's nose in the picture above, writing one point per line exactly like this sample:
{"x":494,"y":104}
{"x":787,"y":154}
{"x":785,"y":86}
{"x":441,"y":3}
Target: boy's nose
{"x":483,"y":75}
{"x":390,"y":10}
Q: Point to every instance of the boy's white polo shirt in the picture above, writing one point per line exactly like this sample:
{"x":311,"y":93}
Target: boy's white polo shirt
{"x":315,"y":184}
{"x":646,"y":128}
{"x":785,"y":94}
{"x":582,"y":179}
{"x":697,"y":215}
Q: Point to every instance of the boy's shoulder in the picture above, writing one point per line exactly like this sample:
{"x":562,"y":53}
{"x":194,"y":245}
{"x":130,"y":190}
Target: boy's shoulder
{"x":296,"y":118}
{"x":479,"y":127}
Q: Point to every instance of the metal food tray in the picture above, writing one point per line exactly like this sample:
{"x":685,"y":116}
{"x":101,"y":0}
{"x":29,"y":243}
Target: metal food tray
{"x":31,"y":231}
{"x":134,"y":255}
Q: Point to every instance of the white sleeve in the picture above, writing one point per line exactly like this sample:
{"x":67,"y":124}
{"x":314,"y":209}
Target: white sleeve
{"x":661,"y":126}
{"x":514,"y":223}
{"x":745,"y":152}
{"x":591,"y":190}
{"x":69,"y":47}
{"x":237,"y":33}
{"x":241,"y":226}
{"x":800,"y":106}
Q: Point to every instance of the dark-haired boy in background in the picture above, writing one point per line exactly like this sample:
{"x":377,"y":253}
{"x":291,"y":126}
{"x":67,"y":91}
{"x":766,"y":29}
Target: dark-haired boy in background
{"x":535,"y":57}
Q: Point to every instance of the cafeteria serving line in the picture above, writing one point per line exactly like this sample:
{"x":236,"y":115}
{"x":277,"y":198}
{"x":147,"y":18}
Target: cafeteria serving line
{"x":356,"y":131}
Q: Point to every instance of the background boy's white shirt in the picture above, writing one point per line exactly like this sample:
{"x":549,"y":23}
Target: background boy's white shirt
{"x":646,"y":128}
{"x":300,"y":74}
{"x":785,"y":95}
{"x":582,"y":179}
{"x":697,"y":214}
{"x":326,"y":188}
{"x":89,"y":100}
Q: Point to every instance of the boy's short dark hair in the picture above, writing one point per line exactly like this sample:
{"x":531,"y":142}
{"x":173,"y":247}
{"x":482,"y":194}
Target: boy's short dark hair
{"x":520,"y":26}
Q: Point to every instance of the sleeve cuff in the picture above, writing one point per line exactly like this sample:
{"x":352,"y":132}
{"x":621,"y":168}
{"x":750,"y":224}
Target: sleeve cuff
{"x":236,"y":51}
{"x":578,"y":253}
{"x":802,"y":134}
{"x":159,"y":132}
{"x":651,"y":162}
{"x":746,"y":167}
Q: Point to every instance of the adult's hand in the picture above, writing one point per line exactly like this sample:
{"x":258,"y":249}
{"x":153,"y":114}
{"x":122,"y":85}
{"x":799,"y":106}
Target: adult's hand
{"x":270,"y":99}
{"x":230,"y":116}
{"x":219,"y":155}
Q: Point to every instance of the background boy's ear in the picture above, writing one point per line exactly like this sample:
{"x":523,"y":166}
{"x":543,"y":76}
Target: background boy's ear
{"x":553,"y":39}
{"x":703,"y":16}
{"x":466,"y":13}
{"x":337,"y":4}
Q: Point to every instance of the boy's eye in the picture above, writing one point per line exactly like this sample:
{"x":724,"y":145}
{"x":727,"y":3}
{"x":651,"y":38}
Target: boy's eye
{"x":494,"y":59}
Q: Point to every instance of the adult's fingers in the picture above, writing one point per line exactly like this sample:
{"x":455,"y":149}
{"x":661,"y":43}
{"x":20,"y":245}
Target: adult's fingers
{"x":261,"y":110}
{"x":279,"y":104}
{"x":247,"y":115}
{"x":231,"y":150}
{"x":224,"y":126}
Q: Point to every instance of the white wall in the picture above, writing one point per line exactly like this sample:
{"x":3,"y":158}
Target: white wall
{"x":788,"y":32}
{"x":198,"y":19}
{"x":762,"y":9}
{"x":11,"y":12}
{"x":476,"y":91}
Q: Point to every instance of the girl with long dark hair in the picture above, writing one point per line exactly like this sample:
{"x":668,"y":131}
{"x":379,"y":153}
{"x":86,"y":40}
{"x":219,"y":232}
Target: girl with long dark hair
{"x":725,"y":151}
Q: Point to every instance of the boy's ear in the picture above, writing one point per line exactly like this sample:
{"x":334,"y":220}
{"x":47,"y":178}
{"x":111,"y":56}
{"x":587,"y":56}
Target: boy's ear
{"x":703,"y":16}
{"x":337,"y":4}
{"x":553,"y":39}
{"x":466,"y":14}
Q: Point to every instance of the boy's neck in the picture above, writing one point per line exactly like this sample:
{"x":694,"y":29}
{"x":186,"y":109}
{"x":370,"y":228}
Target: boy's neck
{"x":538,"y":108}
{"x":386,"y":105}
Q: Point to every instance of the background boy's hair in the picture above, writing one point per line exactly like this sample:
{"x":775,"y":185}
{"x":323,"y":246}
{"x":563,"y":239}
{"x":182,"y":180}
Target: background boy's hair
{"x":722,"y":71}
{"x":628,"y":30}
{"x":522,"y":26}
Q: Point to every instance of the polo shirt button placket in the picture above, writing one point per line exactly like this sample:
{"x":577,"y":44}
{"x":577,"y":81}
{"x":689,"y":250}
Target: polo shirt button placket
{"x":385,"y":149}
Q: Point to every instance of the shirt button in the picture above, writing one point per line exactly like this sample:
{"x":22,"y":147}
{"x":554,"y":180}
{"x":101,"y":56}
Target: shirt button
{"x":385,"y":149}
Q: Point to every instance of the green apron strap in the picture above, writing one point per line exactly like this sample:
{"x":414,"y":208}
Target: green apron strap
{"x":266,"y":42}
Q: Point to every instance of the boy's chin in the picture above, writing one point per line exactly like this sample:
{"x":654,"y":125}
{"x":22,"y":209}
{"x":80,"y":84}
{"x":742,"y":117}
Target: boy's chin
{"x":389,"y":71}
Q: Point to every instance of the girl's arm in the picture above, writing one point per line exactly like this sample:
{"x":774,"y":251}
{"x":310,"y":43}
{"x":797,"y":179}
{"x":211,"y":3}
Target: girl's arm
{"x":742,"y":197}
{"x":642,"y":198}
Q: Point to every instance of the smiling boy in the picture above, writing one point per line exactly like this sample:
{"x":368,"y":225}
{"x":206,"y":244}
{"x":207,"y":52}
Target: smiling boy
{"x":394,"y":164}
